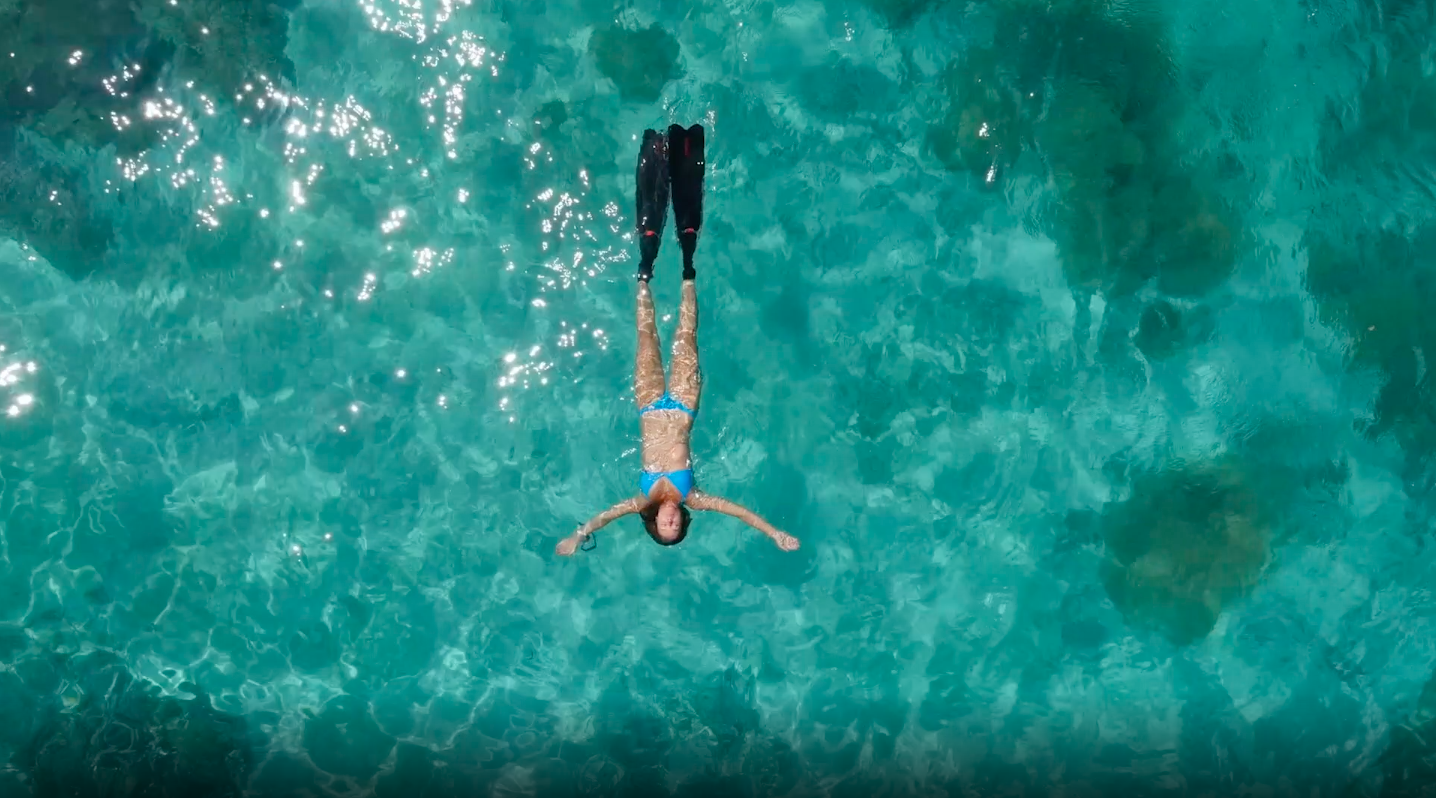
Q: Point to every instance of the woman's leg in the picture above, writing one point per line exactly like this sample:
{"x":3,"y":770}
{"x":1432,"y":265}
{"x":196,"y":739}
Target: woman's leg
{"x":648,"y":373}
{"x":686,"y":163}
{"x":651,"y":192}
{"x":687,"y":377}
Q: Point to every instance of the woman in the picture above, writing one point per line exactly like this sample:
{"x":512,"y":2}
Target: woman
{"x":666,"y":412}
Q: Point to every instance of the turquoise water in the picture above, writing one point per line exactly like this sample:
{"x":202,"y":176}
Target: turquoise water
{"x":1082,"y":345}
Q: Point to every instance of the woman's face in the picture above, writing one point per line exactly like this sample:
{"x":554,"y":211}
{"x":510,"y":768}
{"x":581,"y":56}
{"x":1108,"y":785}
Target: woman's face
{"x":670,"y":521}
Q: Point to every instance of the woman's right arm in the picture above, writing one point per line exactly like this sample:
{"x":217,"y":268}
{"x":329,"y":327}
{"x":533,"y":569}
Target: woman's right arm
{"x":698,"y":500}
{"x":570,"y":544}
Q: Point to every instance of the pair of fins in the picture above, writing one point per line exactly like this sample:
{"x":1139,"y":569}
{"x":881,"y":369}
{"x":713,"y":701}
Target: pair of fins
{"x":670,"y":165}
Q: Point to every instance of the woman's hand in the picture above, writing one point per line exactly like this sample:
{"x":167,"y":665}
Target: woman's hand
{"x":569,"y":545}
{"x":572,"y":543}
{"x":785,"y":541}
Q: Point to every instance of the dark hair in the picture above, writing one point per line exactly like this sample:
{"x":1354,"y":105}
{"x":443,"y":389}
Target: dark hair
{"x":649,"y":515}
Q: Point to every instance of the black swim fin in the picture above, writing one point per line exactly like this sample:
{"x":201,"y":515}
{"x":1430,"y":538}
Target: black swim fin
{"x":686,"y":163}
{"x":652,"y":199}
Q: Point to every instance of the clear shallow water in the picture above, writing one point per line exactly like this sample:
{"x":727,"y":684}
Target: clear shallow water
{"x":1105,"y":427}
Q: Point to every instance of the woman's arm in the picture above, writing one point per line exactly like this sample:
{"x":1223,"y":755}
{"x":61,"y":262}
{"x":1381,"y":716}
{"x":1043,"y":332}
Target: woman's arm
{"x":698,"y":500}
{"x":570,"y":544}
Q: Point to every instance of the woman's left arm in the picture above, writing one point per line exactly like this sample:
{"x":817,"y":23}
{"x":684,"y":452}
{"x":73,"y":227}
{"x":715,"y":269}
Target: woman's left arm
{"x":570,"y":544}
{"x":698,"y":500}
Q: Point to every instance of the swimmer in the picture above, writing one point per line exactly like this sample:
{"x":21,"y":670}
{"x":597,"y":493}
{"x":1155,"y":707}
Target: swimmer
{"x":666,"y":412}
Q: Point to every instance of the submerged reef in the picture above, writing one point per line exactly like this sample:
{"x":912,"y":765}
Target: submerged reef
{"x":1397,"y":116}
{"x":49,"y":206}
{"x":1160,"y":331}
{"x":901,"y":13}
{"x":1378,"y":287}
{"x":76,"y":69}
{"x":114,"y":734}
{"x":62,"y":77}
{"x":88,"y":725}
{"x":1130,"y":209}
{"x":223,"y":42}
{"x":983,"y":130}
{"x":76,"y":79}
{"x":1091,"y":89}
{"x":1409,"y":762}
{"x":639,"y":61}
{"x":1393,"y":121}
{"x":1189,"y":542}
{"x":1372,"y":272}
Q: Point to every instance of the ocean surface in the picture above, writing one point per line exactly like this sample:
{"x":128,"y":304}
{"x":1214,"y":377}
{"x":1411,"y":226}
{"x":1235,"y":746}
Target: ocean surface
{"x":1082,"y":343}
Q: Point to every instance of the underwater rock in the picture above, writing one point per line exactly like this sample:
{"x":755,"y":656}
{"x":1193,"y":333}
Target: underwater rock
{"x":1096,"y":163}
{"x":13,"y":641}
{"x":1189,"y":542}
{"x":227,"y":42}
{"x":414,"y":764}
{"x":64,"y":98}
{"x":983,"y":129}
{"x":640,"y":62}
{"x":1091,"y":86}
{"x":1122,"y":48}
{"x":1159,"y":333}
{"x":26,"y":534}
{"x":285,"y":775}
{"x":314,"y":647}
{"x":336,"y":448}
{"x":900,"y":13}
{"x":1193,"y":237}
{"x":1409,"y":762}
{"x":1087,"y":139}
{"x":1129,"y":215}
{"x":400,"y":640}
{"x":122,"y":737}
{"x":551,"y":114}
{"x":1377,"y":286}
{"x":343,"y":739}
{"x":46,"y":206}
{"x":19,"y":707}
{"x":945,"y":704}
{"x":844,"y":90}
{"x":1397,"y":106}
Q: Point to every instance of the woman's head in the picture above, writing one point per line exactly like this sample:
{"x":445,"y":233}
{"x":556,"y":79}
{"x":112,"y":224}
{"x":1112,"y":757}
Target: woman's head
{"x":666,"y":522}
